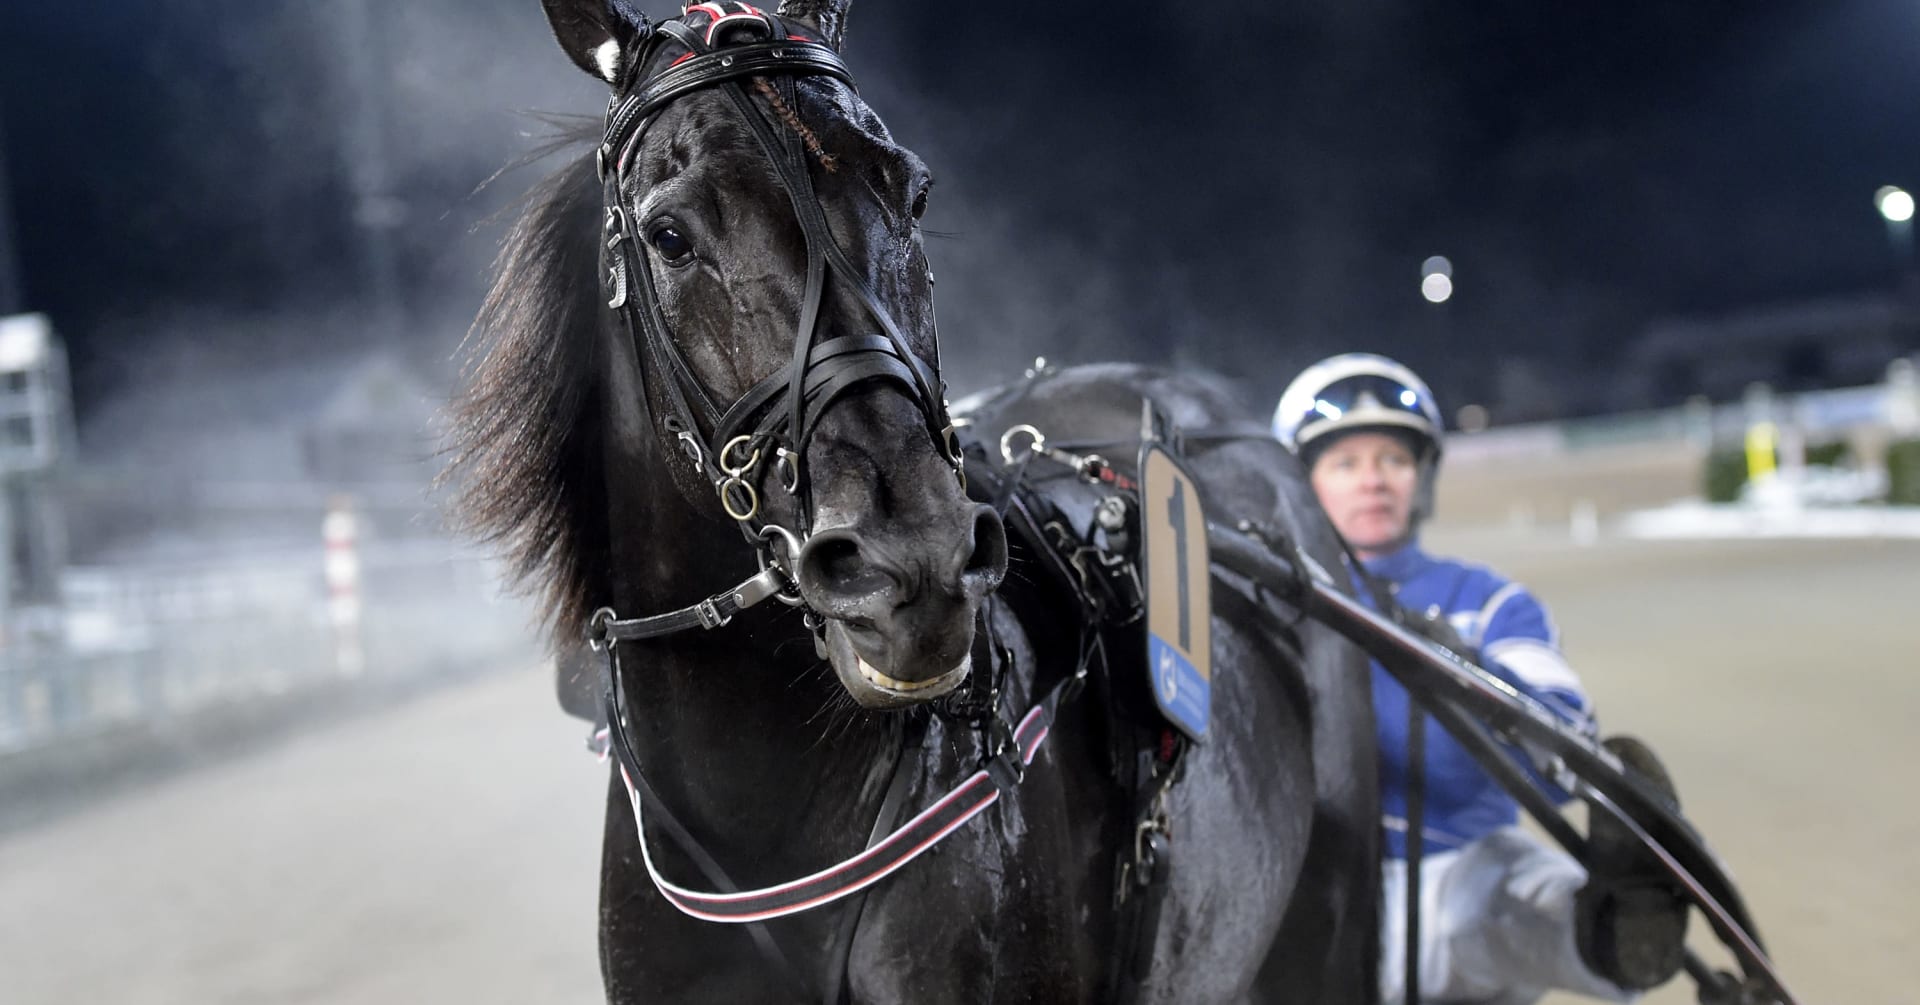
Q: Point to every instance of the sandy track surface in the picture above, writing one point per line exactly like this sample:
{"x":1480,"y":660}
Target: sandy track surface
{"x":1779,"y":681}
{"x":446,"y":851}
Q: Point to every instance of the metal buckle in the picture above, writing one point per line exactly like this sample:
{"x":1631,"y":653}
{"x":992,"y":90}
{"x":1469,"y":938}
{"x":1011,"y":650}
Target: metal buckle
{"x":955,"y":456}
{"x":598,"y":625}
{"x":1037,"y":442}
{"x":786,"y":466}
{"x":1140,"y":832}
{"x":1154,"y":821}
{"x":744,"y":510}
{"x":1090,"y":467}
{"x":617,"y":277}
{"x":709,"y":614}
{"x":739,"y":443}
{"x":690,"y":445}
{"x":951,"y":440}
{"x":781,"y":566}
{"x":771,"y":582}
{"x":1003,"y":745}
{"x":786,"y":537}
{"x":616,"y":228}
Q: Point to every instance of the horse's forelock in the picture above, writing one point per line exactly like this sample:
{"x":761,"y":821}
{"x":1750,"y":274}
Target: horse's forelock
{"x":525,"y":434}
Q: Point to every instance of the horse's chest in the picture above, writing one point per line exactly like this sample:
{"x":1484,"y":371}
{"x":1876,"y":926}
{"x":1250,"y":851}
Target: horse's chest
{"x":971,"y":923}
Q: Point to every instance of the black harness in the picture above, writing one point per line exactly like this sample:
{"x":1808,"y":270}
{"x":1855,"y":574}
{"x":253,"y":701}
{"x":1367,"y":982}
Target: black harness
{"x":725,"y":44}
{"x":1096,"y":565}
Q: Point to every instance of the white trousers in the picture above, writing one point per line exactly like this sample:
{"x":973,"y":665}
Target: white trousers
{"x":1496,"y":925}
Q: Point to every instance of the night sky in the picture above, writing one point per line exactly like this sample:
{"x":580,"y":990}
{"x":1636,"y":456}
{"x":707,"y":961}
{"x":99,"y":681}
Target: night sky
{"x":1242,"y":187}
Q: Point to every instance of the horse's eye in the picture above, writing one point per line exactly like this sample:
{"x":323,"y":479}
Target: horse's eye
{"x":671,"y":244}
{"x":920,"y":204}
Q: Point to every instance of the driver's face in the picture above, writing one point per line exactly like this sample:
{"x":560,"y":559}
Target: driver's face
{"x":1366,"y":482}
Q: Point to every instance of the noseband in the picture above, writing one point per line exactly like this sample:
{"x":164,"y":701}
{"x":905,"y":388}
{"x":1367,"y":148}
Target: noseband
{"x":774,"y":419}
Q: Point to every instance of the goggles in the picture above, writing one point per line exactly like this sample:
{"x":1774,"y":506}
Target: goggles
{"x":1372,"y":394}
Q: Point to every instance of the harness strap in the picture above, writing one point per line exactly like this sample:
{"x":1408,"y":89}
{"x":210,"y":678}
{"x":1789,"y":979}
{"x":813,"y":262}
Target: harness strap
{"x":604,"y":629}
{"x":1146,"y":866}
{"x":1204,"y":436}
{"x":813,"y":222}
{"x":890,"y":807}
{"x":708,"y":67}
{"x":661,"y":356}
{"x":763,"y":940}
{"x":723,"y":66}
{"x":1416,"y":842}
{"x":967,"y":800}
{"x":1381,"y":592}
{"x":1003,"y":769}
{"x":832,"y":368}
{"x":1140,"y":929}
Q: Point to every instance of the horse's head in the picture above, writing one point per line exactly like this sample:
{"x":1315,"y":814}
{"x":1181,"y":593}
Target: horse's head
{"x":773,"y":330}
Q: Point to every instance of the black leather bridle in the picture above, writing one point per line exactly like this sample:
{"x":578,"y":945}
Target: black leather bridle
{"x":773,"y":420}
{"x":775,"y":417}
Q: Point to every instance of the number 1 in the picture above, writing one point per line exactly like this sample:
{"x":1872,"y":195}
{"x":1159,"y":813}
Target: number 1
{"x":1177,"y":519}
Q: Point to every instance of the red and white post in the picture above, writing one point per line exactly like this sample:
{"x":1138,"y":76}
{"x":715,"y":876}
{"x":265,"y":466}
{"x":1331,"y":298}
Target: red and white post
{"x":341,"y":530}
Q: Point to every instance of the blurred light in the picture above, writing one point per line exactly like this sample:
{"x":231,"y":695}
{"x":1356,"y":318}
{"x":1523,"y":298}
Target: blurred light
{"x":1326,"y":408}
{"x":1437,"y":266}
{"x":1408,"y":398}
{"x":1436,"y":288}
{"x":1894,"y":203}
{"x":1471,"y":419}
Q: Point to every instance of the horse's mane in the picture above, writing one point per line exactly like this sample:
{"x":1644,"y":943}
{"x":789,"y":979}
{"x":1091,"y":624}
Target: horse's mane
{"x":525,"y":431}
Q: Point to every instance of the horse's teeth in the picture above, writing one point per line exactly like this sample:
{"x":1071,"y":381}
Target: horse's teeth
{"x":874,"y":676}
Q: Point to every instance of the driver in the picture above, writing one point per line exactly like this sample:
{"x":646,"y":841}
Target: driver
{"x":1504,"y":918}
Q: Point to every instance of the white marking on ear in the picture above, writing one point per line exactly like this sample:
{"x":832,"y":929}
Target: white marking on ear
{"x":608,"y":57}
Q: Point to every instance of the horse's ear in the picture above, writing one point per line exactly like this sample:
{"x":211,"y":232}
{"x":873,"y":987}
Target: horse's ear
{"x":829,"y":16}
{"x":598,"y":35}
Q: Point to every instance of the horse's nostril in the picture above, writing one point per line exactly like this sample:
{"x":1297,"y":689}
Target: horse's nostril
{"x":989,"y":544}
{"x":837,"y":561}
{"x":833,"y":565}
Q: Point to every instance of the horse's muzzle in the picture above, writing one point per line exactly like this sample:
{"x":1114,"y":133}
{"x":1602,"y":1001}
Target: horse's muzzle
{"x":900,"y":607}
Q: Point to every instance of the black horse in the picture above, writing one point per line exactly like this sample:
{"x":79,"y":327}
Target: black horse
{"x":756,"y":231}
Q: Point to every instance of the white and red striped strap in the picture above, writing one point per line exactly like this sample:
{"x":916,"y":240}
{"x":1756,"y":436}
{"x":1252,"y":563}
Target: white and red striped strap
{"x":719,"y":16}
{"x":880,"y":860}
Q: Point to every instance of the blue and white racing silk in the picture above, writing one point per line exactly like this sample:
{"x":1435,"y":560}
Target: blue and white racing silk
{"x":1512,"y":636}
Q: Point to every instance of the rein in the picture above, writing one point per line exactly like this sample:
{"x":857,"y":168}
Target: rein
{"x":1002,"y":771}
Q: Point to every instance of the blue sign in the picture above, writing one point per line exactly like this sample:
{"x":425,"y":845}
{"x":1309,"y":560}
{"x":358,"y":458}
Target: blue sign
{"x":1184,"y":694}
